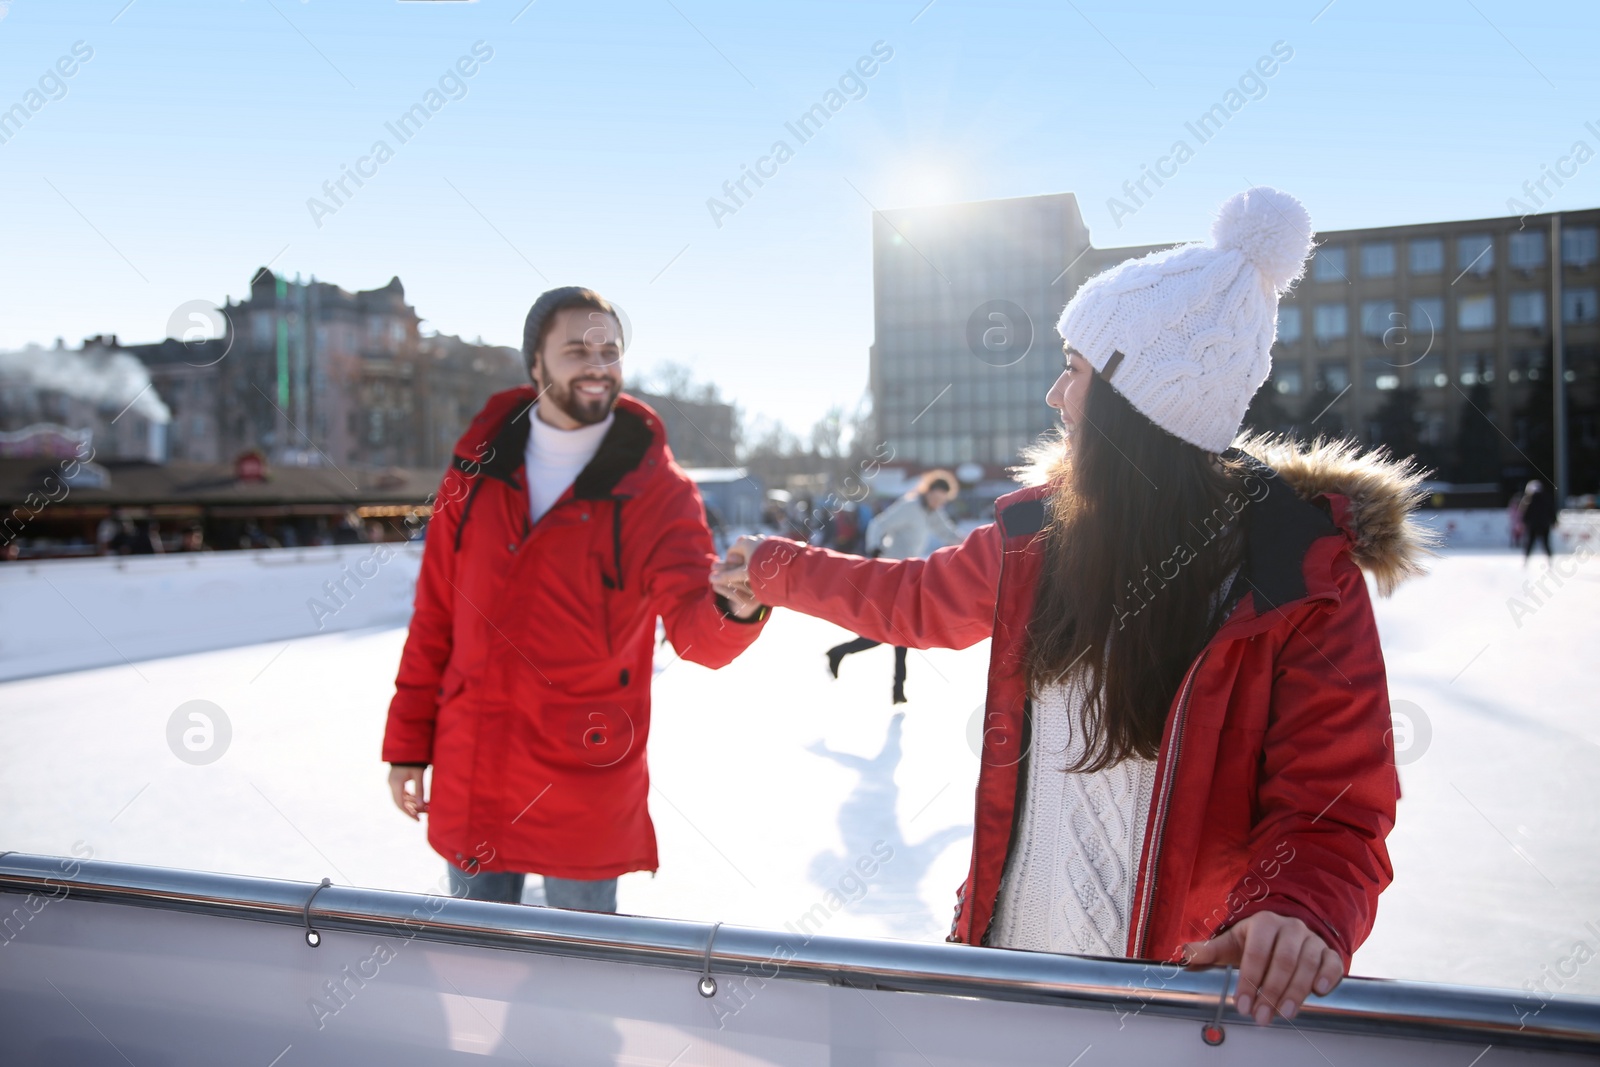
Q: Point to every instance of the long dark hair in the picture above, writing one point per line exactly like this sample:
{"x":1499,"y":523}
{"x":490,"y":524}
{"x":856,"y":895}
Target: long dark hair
{"x":1141,"y":534}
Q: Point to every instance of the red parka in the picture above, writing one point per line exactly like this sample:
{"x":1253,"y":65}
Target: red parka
{"x":1276,"y":783}
{"x":525,"y":679}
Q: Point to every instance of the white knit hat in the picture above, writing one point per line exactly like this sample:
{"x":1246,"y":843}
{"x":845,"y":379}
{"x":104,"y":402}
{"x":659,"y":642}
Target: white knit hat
{"x":1195,"y":324}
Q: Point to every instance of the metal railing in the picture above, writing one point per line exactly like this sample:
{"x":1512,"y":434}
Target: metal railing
{"x":1358,"y":1005}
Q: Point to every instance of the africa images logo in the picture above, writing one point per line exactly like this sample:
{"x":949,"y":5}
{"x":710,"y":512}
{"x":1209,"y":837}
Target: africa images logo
{"x":199,"y":732}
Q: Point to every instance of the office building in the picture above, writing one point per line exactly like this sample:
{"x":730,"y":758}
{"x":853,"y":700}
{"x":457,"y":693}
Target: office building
{"x":966,"y":297}
{"x":1436,"y":339}
{"x":702,"y":431}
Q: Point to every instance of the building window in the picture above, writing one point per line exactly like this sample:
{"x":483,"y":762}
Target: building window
{"x":1429,"y":372}
{"x":1329,"y":264}
{"x":1427,"y":317}
{"x":1583,"y":361}
{"x":1427,"y":256}
{"x":1526,"y":309}
{"x":1475,"y":253}
{"x":1329,"y":322}
{"x":1527,"y":250}
{"x":1287,"y":380}
{"x":1578,"y":306}
{"x":1475,"y":367}
{"x":1580,"y":246}
{"x":1377,"y":260}
{"x":1475,"y":312}
{"x":261,"y":327}
{"x":1526,"y":363}
{"x":1380,"y":374}
{"x":1377,"y":317}
{"x":1288,"y":324}
{"x":1333,"y":377}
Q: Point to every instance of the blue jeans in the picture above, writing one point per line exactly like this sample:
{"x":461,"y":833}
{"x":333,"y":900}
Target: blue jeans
{"x":505,"y":887}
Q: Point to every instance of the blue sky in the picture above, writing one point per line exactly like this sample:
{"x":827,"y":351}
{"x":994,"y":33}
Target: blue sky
{"x":182,"y":154}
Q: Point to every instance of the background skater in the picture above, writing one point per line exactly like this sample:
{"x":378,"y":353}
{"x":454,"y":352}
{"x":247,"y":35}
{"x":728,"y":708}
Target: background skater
{"x":912,"y":526}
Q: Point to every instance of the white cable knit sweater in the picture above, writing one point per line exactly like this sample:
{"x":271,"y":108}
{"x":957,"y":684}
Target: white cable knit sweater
{"x":1068,"y":886}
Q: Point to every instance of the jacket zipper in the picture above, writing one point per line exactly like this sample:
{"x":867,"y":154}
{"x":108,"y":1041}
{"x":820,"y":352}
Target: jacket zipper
{"x":1024,"y":782}
{"x":1148,"y":896}
{"x":1154,"y":846}
{"x":978,"y":937}
{"x":466,"y":509}
{"x":616,"y":537}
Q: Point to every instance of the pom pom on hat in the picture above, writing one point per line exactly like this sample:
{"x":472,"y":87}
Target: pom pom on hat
{"x":1270,"y":229}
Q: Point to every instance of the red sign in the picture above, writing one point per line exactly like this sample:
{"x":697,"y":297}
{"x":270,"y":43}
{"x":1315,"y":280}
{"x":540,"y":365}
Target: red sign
{"x":250,"y":467}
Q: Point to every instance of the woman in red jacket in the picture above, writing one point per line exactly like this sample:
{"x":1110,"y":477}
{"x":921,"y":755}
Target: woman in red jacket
{"x":1187,"y":750}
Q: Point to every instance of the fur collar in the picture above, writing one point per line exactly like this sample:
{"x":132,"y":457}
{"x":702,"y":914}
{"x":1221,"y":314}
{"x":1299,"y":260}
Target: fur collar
{"x":1381,"y":493}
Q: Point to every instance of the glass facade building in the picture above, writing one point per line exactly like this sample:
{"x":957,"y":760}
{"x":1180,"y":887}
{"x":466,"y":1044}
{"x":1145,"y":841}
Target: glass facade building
{"x":966,"y":298}
{"x":1454,"y":354}
{"x":1434,"y":339}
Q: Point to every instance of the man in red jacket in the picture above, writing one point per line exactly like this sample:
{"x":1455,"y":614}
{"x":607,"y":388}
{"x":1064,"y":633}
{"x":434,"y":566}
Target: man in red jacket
{"x":563,"y":529}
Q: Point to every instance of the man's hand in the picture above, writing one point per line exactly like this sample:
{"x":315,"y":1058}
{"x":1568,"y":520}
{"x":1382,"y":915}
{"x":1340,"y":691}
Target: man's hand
{"x":731,"y":577}
{"x":1280,"y":962}
{"x":412,"y":801}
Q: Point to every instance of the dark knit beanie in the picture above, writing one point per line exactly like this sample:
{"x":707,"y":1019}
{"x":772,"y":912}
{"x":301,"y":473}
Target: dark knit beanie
{"x":554,"y":300}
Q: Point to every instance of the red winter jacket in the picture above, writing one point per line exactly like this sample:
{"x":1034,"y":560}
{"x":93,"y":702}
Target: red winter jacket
{"x":1276,"y":782}
{"x":525,"y":679}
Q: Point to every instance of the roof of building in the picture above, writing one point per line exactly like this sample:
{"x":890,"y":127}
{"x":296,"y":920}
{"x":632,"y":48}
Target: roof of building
{"x":712,"y":475}
{"x":207,"y":352}
{"x":206,"y":484}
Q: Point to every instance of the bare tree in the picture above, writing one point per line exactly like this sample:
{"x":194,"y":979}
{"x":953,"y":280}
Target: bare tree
{"x":678,"y":381}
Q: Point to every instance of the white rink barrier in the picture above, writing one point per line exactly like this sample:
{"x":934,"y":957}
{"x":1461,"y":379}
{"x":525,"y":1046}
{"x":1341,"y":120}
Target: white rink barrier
{"x":186,"y":968}
{"x":1491,"y":528}
{"x":74,"y":614}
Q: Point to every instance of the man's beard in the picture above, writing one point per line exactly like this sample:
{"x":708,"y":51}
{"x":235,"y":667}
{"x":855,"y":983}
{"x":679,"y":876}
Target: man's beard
{"x":580,"y":409}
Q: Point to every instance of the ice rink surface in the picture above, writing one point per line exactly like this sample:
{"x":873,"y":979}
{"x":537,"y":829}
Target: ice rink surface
{"x":771,"y":779}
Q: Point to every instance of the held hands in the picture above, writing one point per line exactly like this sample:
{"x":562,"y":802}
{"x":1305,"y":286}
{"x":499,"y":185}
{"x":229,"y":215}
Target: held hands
{"x":731,"y":577}
{"x":406,"y":786}
{"x":1280,"y":962}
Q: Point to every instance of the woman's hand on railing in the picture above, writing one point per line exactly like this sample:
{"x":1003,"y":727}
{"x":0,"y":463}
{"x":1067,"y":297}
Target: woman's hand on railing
{"x":1280,"y":962}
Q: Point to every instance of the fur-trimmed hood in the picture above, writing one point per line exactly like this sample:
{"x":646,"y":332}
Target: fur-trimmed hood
{"x":1386,"y":539}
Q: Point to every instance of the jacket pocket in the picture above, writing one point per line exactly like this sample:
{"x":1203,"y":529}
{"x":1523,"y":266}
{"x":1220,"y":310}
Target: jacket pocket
{"x":624,"y":613}
{"x":606,"y":600}
{"x":452,"y":686}
{"x":594,"y":734}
